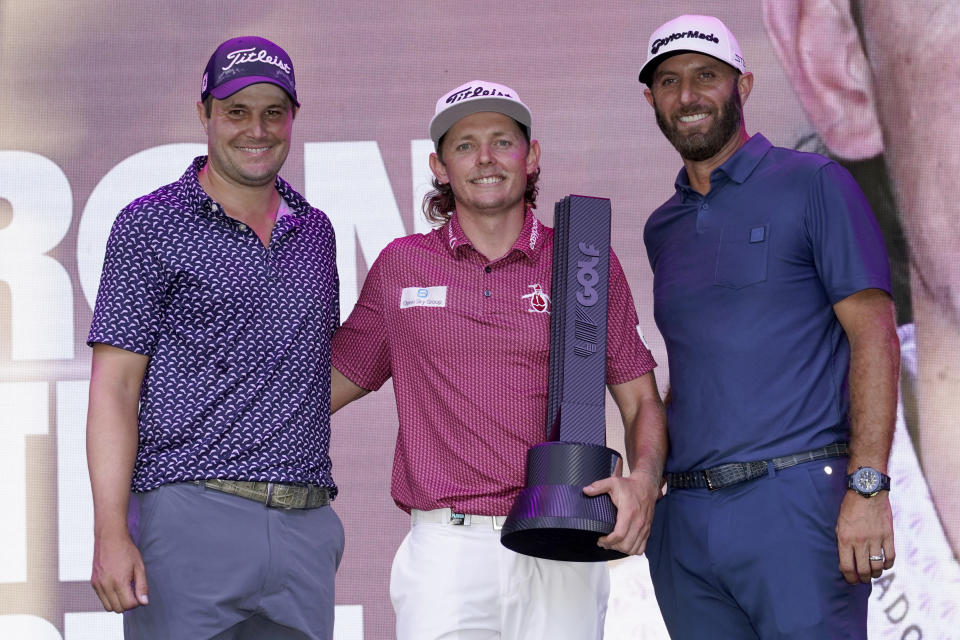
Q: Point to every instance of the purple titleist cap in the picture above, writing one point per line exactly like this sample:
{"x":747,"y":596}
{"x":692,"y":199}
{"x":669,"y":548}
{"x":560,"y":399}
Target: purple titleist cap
{"x":240,"y":62}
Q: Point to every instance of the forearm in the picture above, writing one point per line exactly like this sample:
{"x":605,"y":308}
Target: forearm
{"x":873,"y":379}
{"x":645,"y":425}
{"x":112,"y":434}
{"x":646,"y":442}
{"x":111,"y":453}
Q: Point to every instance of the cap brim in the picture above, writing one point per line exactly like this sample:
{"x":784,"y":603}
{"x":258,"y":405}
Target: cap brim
{"x":646,"y":72}
{"x":230,"y":87}
{"x":442,"y":121}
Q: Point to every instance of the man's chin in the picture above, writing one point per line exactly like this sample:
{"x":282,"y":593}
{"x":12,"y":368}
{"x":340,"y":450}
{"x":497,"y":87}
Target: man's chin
{"x":490,"y":205}
{"x":694,"y":148}
{"x":260,"y":176}
{"x":496,"y":205}
{"x":696,"y":155}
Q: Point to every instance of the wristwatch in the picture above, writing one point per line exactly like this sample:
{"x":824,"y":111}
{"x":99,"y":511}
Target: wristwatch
{"x":868,"y":482}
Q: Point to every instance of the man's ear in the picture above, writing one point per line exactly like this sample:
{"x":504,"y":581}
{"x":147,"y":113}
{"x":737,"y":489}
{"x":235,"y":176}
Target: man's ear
{"x":438,"y":168}
{"x":533,"y":157}
{"x":202,"y":114}
{"x":744,"y":86}
{"x":820,"y":51}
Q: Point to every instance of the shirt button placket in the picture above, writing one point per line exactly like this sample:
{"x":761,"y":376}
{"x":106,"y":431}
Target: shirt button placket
{"x":487,"y":292}
{"x":703,"y":211}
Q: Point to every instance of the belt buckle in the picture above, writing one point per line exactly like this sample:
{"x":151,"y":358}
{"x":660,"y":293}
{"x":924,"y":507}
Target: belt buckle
{"x":459,"y":519}
{"x":266,"y":501}
{"x":706,"y":476}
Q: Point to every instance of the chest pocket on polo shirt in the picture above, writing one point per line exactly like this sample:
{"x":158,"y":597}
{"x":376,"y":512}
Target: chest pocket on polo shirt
{"x":742,"y":255}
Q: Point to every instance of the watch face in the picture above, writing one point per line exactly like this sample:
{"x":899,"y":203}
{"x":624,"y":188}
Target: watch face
{"x":867,"y":480}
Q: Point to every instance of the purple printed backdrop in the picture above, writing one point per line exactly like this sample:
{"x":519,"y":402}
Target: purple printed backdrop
{"x":98,"y":108}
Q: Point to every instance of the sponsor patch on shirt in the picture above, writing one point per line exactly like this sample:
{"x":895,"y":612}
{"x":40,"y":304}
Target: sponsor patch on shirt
{"x":423,"y":297}
{"x":539,"y":301}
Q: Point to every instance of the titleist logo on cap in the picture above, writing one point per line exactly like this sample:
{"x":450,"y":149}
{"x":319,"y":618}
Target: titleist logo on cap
{"x":659,"y":42}
{"x":242,"y":56}
{"x":474,"y":92}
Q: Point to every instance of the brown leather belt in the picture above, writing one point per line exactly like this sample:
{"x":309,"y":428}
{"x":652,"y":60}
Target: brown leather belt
{"x":277,"y":495}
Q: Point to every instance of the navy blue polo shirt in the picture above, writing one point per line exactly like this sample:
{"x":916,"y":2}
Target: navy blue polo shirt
{"x":238,"y":335}
{"x":744,"y":282}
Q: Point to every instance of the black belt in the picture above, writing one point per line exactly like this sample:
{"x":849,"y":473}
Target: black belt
{"x":736,"y":472}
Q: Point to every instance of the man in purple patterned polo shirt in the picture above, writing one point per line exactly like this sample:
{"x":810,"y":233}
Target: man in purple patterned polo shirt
{"x":209,"y":391}
{"x":459,"y":318}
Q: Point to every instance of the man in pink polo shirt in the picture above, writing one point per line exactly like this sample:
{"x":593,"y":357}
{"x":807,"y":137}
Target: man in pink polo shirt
{"x":460,"y":317}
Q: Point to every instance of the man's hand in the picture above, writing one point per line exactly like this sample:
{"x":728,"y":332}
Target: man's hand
{"x":119,"y":577}
{"x":634,"y":497}
{"x":865,"y":529}
{"x":116,"y":377}
{"x":645,"y":441}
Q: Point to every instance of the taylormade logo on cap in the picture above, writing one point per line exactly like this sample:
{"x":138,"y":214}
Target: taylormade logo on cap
{"x":474,"y":97}
{"x":692,"y":34}
{"x":659,"y":42}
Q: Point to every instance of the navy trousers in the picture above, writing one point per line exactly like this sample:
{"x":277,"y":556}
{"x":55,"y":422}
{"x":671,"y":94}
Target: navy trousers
{"x":756,"y":560}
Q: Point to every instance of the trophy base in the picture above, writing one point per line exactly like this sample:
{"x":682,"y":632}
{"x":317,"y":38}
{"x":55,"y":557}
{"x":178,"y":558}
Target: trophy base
{"x":558,"y":521}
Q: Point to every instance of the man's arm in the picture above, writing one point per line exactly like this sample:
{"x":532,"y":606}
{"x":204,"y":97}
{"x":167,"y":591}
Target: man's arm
{"x":118,"y":576}
{"x":865,"y":525}
{"x":938,"y":419}
{"x":343,"y":391}
{"x":645,"y":436}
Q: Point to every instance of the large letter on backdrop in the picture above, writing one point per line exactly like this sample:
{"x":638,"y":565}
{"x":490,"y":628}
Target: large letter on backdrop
{"x":41,"y":316}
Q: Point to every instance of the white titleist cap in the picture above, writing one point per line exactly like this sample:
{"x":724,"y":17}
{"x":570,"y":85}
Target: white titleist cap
{"x":474,"y":97}
{"x":697,"y":34}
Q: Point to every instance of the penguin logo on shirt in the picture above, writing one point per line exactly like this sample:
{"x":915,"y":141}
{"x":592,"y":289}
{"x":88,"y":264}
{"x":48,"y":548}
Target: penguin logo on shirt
{"x":539,"y":301}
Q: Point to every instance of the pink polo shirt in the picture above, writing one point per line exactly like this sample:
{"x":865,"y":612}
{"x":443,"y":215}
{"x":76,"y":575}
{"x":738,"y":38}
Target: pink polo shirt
{"x":467,"y":342}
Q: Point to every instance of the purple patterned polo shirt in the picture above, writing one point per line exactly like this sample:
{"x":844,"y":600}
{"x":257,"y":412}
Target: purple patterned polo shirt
{"x":238,"y":335}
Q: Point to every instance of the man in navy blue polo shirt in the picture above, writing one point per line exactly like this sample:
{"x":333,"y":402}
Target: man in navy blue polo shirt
{"x":210,"y":384}
{"x":771,"y":290}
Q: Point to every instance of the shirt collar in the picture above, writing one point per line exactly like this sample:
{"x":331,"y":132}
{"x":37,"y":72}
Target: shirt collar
{"x":198,"y":200}
{"x":737,"y":167}
{"x":529,"y":242}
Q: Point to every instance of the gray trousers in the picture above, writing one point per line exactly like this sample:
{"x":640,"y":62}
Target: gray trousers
{"x":219,"y":566}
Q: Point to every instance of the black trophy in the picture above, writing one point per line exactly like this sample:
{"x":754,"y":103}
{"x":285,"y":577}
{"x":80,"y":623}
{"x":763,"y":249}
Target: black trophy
{"x":552,"y":518}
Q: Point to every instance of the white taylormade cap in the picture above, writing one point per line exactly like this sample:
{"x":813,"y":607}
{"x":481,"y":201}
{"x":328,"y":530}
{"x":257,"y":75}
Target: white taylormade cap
{"x":697,"y":34}
{"x":474,"y":97}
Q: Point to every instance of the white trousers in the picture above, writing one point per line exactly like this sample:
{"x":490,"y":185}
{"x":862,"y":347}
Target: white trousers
{"x":452,"y":582}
